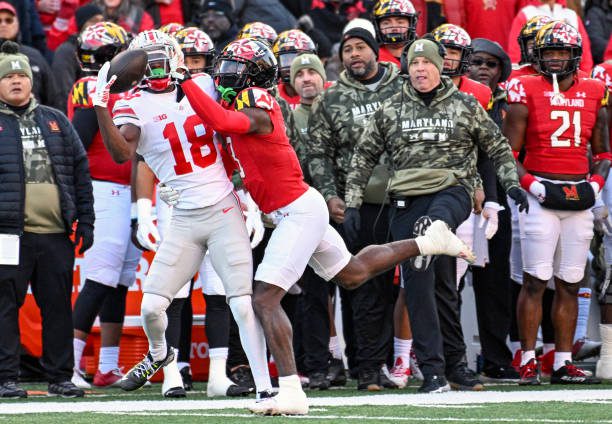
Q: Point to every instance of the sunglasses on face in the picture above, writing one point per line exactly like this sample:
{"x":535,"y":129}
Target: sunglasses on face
{"x":479,"y":62}
{"x":7,"y":21}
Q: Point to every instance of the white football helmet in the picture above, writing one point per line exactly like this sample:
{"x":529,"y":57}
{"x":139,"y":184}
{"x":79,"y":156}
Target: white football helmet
{"x":164,"y":54}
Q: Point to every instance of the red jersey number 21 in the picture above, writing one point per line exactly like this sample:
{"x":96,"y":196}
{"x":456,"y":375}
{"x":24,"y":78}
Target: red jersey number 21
{"x":197,"y":143}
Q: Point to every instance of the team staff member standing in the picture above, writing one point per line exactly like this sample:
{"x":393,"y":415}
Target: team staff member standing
{"x":431,"y":132}
{"x":44,"y":188}
{"x":335,"y":124}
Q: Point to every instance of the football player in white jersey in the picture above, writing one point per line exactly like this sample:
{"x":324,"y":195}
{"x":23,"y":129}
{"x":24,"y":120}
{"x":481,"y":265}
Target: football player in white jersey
{"x":158,"y":123}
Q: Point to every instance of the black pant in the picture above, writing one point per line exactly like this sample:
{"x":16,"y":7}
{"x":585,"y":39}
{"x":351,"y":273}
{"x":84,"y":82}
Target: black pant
{"x":431,"y":295}
{"x":46,"y":261}
{"x":372,"y":303}
{"x":492,"y":292}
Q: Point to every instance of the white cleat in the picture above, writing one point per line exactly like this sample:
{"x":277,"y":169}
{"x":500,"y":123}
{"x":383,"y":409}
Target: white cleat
{"x":289,"y":402}
{"x":440,"y":240}
{"x":78,"y":379}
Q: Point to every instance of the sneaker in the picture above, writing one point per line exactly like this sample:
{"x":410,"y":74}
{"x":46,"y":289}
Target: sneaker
{"x":64,"y":389}
{"x":241,"y":375}
{"x":291,"y":402}
{"x":585,"y":348}
{"x":501,"y":374}
{"x":187,"y":378}
{"x":318,"y":380}
{"x":384,"y":380}
{"x":546,"y":363}
{"x":175,"y":392}
{"x":78,"y":379}
{"x":144,"y":370}
{"x":337,"y":373}
{"x":109,"y":379}
{"x":529,"y":374}
{"x":369,"y":380}
{"x":434,"y":384}
{"x":420,"y":263}
{"x":571,"y":374}
{"x":10,"y":390}
{"x":414,"y":366}
{"x":438,"y":239}
{"x":400,"y":373}
{"x":463,"y":378}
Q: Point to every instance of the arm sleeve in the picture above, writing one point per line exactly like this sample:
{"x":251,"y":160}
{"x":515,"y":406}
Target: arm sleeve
{"x":320,"y":151}
{"x":85,"y":123}
{"x":366,"y":156}
{"x":211,"y":112}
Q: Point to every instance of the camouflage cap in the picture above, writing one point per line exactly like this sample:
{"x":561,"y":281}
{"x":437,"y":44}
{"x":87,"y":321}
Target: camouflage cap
{"x":428,"y":49}
{"x":307,"y":61}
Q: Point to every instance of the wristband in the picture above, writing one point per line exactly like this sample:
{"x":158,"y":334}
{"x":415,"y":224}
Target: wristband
{"x":597,"y":179}
{"x":603,"y":156}
{"x":527,"y":180}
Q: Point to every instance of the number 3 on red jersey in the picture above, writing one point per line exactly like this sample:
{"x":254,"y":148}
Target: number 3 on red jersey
{"x":202,"y":147}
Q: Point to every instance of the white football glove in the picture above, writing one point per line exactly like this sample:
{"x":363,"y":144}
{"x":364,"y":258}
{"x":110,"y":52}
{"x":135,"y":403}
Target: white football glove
{"x":147,"y":233}
{"x":490,"y":218}
{"x":538,"y":190}
{"x":596,"y":189}
{"x":169,"y":195}
{"x":102,"y":94}
{"x":253,"y":222}
{"x":601,"y":218}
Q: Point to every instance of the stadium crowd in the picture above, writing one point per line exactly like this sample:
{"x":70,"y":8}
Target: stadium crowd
{"x":347,"y":135}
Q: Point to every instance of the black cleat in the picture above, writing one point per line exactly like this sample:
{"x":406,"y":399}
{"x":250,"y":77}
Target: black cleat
{"x":571,"y":374}
{"x":65,"y":389}
{"x":463,"y":378}
{"x":434,"y":384}
{"x":336,"y":374}
{"x":187,"y":378}
{"x":369,"y":380}
{"x":175,"y":392}
{"x":236,"y":391}
{"x":10,"y":390}
{"x":144,"y":370}
{"x":318,"y":380}
{"x":241,"y":375}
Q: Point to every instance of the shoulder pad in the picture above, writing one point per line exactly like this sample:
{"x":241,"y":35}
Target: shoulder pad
{"x":516,"y":91}
{"x":255,"y":97}
{"x":81,"y":93}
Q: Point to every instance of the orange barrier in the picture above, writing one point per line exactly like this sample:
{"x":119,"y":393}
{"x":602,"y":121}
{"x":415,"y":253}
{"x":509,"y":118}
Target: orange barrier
{"x":133,"y":342}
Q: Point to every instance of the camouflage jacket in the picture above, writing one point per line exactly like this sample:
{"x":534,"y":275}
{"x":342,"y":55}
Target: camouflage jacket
{"x":337,"y":120}
{"x":430,"y":147}
{"x":299,"y":134}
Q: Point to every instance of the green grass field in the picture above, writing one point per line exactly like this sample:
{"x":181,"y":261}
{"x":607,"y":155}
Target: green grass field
{"x":498,"y":404}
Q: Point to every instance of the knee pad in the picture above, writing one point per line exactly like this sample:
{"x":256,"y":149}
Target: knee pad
{"x":542,"y":272}
{"x":242,"y":308}
{"x":113,"y":309}
{"x":88,"y":304}
{"x":571,"y":275}
{"x":153,"y":306}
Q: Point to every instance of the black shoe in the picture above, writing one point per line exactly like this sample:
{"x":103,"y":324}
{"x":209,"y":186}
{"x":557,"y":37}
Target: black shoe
{"x":500,"y":374}
{"x":318,"y":380}
{"x":571,"y":374}
{"x":144,"y":370}
{"x":187,"y":378}
{"x":236,"y":391}
{"x":463,"y":378}
{"x":65,"y":389}
{"x":434,"y":384}
{"x":369,"y":380}
{"x":10,"y":389}
{"x":265,"y":395}
{"x":241,"y":375}
{"x":384,"y":380}
{"x":336,"y":374}
{"x":175,"y":392}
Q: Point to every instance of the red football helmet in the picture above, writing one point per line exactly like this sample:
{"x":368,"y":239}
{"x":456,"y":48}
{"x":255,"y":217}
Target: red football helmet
{"x":195,"y":42}
{"x":243,"y":63}
{"x":558,"y":35}
{"x":454,"y":37}
{"x":258,"y":30}
{"x":287,"y":46}
{"x":402,"y":8}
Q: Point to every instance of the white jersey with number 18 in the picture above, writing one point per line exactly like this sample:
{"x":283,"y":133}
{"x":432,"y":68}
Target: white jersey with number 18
{"x":176,"y":144}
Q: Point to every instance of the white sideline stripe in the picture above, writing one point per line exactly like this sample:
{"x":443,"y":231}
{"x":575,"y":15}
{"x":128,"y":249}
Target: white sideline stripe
{"x":447,"y":399}
{"x":366,"y":417}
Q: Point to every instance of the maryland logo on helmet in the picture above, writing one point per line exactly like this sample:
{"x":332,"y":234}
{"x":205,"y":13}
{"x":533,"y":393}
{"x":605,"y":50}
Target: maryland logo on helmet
{"x":558,"y":35}
{"x":454,"y":37}
{"x":258,"y":30}
{"x":171,"y":28}
{"x":528,"y":33}
{"x":400,"y":8}
{"x":99,"y":43}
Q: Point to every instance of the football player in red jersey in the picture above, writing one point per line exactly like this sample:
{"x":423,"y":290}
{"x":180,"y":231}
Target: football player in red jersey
{"x":526,"y":41}
{"x":251,"y":121}
{"x":555,"y":116}
{"x":109,"y":267}
{"x":395,"y":22}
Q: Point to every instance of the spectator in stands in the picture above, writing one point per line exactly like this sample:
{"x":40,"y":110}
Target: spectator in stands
{"x":65,"y":64}
{"x":126,"y":13}
{"x":331,"y":16}
{"x":217,"y":21}
{"x":598,"y":22}
{"x":271,"y":12}
{"x":44,"y":188}
{"x":43,"y":84}
{"x":166,"y":11}
{"x":32,"y":33}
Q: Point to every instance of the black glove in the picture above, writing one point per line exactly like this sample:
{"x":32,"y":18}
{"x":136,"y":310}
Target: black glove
{"x":520,"y":198}
{"x":84,"y":235}
{"x":351,"y":224}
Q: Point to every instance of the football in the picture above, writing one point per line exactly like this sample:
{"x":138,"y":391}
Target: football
{"x":129,"y":66}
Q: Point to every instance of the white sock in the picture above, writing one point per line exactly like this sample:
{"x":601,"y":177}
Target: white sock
{"x":334,"y":347}
{"x":527,"y":356}
{"x":547,"y":347}
{"x":109,"y":359}
{"x":216,"y":369}
{"x":582,"y":321}
{"x":271,"y":360}
{"x":182,"y":365}
{"x":290,"y":382}
{"x":515,"y":347}
{"x":560,"y":358}
{"x":252,"y":339}
{"x":78,"y":347}
{"x":401,"y":349}
{"x":154,"y":322}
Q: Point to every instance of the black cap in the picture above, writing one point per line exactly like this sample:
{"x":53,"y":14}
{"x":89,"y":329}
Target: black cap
{"x":85,"y":13}
{"x":484,"y":45}
{"x":362,"y":33}
{"x":221,"y":5}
